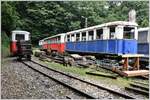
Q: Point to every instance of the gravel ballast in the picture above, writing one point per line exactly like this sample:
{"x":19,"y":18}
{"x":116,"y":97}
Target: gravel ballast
{"x":20,"y":82}
{"x":101,"y":83}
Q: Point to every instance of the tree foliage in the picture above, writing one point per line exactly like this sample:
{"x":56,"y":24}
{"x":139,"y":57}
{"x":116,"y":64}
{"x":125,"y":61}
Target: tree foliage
{"x":47,"y":18}
{"x":9,"y":17}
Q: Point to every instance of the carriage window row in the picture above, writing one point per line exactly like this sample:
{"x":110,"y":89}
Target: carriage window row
{"x":109,"y":33}
{"x":53,"y":40}
{"x":83,"y":36}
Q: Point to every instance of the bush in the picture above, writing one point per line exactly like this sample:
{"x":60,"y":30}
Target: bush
{"x":5,"y":45}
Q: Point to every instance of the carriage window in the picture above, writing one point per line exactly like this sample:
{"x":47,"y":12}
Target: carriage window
{"x":72,"y":37}
{"x":52,"y":40}
{"x":99,"y":34}
{"x":68,"y":38}
{"x":55,"y":40}
{"x":143,"y":36}
{"x":84,"y":36}
{"x":91,"y":33}
{"x":78,"y":37}
{"x":58,"y":39}
{"x":112,"y":32}
{"x":128,"y":33}
{"x":49,"y":41}
{"x":20,"y":37}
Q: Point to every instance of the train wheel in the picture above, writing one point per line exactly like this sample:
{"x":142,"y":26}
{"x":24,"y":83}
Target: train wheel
{"x":54,"y":53}
{"x":19,"y":58}
{"x":28,"y":57}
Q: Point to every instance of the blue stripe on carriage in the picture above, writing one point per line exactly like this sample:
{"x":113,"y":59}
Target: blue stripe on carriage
{"x":112,"y":46}
{"x":143,"y":48}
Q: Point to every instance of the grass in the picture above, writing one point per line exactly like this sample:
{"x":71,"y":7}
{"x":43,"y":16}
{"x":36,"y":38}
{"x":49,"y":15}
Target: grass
{"x":71,"y":69}
{"x":120,"y":81}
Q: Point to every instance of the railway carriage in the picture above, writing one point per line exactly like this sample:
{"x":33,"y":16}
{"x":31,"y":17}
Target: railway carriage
{"x":45,"y":44}
{"x":143,"y":44}
{"x":41,"y":44}
{"x":54,"y":43}
{"x":20,"y":44}
{"x":113,"y":38}
{"x":143,"y":41}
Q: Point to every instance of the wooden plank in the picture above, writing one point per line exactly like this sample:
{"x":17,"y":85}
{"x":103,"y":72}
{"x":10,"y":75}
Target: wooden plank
{"x":102,"y":74}
{"x":142,"y":83}
{"x":140,"y":86}
{"x":137,"y":90}
{"x":136,"y":72}
{"x":125,"y":65}
{"x":136,"y":64}
{"x":145,"y":76}
{"x":114,"y":69}
{"x":84,"y":65}
{"x":132,"y":55}
{"x":76,"y":56}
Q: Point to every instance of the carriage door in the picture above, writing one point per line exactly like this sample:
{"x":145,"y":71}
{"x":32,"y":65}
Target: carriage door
{"x":129,"y":43}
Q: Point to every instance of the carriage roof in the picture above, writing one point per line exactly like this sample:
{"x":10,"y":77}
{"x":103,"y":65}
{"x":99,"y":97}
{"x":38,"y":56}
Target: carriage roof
{"x":53,"y":36}
{"x":20,"y":32}
{"x":123,"y":23}
{"x":143,"y":29}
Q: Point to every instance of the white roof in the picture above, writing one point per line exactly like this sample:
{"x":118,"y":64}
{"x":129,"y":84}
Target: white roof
{"x":144,"y":29}
{"x":20,"y":32}
{"x":123,"y":23}
{"x":54,"y":36}
{"x":41,"y":40}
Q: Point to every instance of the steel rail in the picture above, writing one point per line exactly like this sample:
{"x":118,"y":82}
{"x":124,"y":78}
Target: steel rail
{"x":62,"y":83}
{"x":98,"y":86}
{"x":137,"y":90}
{"x":140,"y":86}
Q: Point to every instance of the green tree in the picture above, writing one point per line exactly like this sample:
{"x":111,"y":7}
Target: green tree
{"x":10,"y":17}
{"x":46,"y":18}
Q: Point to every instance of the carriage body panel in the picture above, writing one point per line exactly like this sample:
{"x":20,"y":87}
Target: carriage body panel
{"x":120,"y":46}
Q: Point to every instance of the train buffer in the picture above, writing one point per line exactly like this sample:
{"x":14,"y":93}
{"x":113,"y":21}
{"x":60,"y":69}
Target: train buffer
{"x":136,"y":66}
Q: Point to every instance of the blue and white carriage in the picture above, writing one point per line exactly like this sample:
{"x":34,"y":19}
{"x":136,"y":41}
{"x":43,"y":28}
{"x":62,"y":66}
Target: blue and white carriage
{"x":143,"y":45}
{"x":143,"y":41}
{"x":117,"y":38}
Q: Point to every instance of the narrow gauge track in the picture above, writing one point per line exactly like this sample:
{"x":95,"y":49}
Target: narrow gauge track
{"x":138,"y":88}
{"x":81,"y":86}
{"x":77,"y":92}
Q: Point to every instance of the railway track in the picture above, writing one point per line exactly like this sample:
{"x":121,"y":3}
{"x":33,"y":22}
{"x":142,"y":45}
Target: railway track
{"x":79,"y":93}
{"x":85,"y":88}
{"x":139,"y":88}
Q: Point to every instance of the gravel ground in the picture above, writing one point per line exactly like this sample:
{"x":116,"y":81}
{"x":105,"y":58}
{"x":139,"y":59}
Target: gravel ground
{"x":114,"y":87}
{"x":20,"y":82}
{"x":96,"y":92}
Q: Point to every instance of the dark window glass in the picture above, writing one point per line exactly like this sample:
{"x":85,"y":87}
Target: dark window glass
{"x":128,"y":34}
{"x":78,"y":37}
{"x":99,"y":34}
{"x":20,"y":37}
{"x":112,"y":32}
{"x":83,"y":36}
{"x":91,"y":33}
{"x":68,"y":38}
{"x":58,"y":39}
